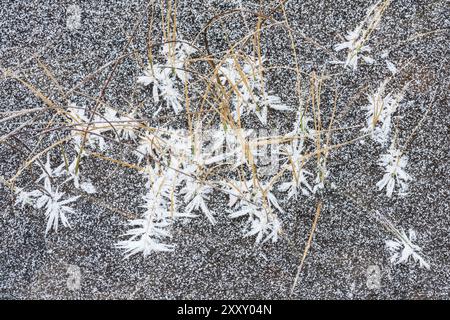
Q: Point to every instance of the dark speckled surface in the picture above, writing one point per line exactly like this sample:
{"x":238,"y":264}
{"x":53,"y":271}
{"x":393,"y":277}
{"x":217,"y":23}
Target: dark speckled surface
{"x":216,"y":262}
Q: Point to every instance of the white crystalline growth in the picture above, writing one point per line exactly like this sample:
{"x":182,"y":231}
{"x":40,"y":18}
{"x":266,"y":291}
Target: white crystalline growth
{"x":161,"y":210}
{"x":259,"y":207}
{"x":356,"y":39}
{"x":403,"y":248}
{"x":148,"y":232}
{"x":379,"y":114}
{"x":249,"y":92}
{"x":48,"y":197}
{"x":394,"y":164}
{"x":56,"y":208}
{"x":355,"y":48}
{"x":51,"y":199}
{"x":163,"y":86}
{"x":164,"y":77}
{"x":295,"y":164}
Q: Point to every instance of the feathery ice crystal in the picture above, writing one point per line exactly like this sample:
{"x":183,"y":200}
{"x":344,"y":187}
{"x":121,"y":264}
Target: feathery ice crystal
{"x":50,"y":198}
{"x":164,"y":77}
{"x":354,"y":44}
{"x":394,"y":164}
{"x":356,"y":39}
{"x":380,"y":109}
{"x":160,"y":210}
{"x":56,"y":207}
{"x":296,"y":167}
{"x":403,"y":248}
{"x":248,"y":85}
{"x":259,"y":205}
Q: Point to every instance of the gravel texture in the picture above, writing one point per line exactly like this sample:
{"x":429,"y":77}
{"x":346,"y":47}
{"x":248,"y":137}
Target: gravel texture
{"x":215,"y":262}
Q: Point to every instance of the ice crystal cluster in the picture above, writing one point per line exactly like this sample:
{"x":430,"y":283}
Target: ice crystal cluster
{"x":180,"y":165}
{"x":403,"y":249}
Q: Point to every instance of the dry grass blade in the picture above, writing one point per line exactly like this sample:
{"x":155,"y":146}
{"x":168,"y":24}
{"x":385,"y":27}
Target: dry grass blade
{"x":308,"y":245}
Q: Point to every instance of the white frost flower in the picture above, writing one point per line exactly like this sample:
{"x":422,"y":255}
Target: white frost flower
{"x":177,"y":55}
{"x":56,"y":207}
{"x":258,"y":204}
{"x":26,"y":198}
{"x":195,"y":197}
{"x":391,"y":67}
{"x":380,"y":110}
{"x":295,"y":165}
{"x":145,"y":237}
{"x":163,"y":77}
{"x":80,"y":122}
{"x":355,"y":47}
{"x":152,"y":75}
{"x":394,"y":164}
{"x":403,"y":248}
{"x":261,"y":223}
{"x":172,"y":96}
{"x":160,"y":211}
{"x":356,"y":39}
{"x":163,"y":86}
{"x":249,"y":94}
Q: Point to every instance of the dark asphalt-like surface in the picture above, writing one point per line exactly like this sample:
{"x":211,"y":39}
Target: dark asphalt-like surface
{"x":215,"y":261}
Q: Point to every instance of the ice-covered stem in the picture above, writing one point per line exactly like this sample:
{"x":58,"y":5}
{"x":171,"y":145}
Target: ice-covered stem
{"x":153,"y":227}
{"x":394,"y":163}
{"x":254,"y":200}
{"x":402,"y":248}
{"x":380,"y":110}
{"x":357,"y":38}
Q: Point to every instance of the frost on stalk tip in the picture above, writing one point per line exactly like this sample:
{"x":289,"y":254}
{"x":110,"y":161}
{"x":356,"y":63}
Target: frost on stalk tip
{"x":295,"y":164}
{"x":165,"y":78}
{"x":403,"y":248}
{"x":49,"y":198}
{"x":354,"y":45}
{"x":394,"y":164}
{"x":148,"y":231}
{"x":259,"y":205}
{"x":380,"y":110}
{"x":356,"y":39}
{"x":163,"y":86}
{"x":247,"y":84}
{"x":195,"y":197}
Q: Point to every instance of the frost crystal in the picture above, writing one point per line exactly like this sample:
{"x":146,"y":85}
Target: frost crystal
{"x":356,"y":39}
{"x":26,"y":198}
{"x":56,"y":208}
{"x":354,"y":44}
{"x":195,"y":196}
{"x":394,"y":163}
{"x":148,"y":231}
{"x":163,"y":77}
{"x":295,"y":164}
{"x":259,"y":205}
{"x":248,"y":87}
{"x":403,"y":248}
{"x":48,"y":197}
{"x":380,"y":109}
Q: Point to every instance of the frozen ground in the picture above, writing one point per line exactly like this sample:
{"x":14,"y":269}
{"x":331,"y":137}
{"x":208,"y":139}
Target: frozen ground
{"x":216,"y":262}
